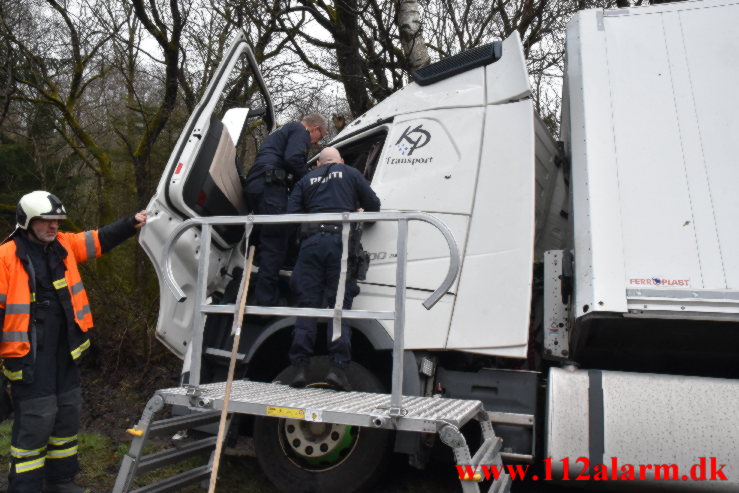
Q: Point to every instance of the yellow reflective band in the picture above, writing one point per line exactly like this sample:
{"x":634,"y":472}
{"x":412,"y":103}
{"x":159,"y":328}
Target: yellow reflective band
{"x":33,"y":297}
{"x":21,"y":467}
{"x":61,"y":440}
{"x":60,"y":283}
{"x":19,"y":453}
{"x":77,"y":352}
{"x":61,"y":454}
{"x":13,"y":376}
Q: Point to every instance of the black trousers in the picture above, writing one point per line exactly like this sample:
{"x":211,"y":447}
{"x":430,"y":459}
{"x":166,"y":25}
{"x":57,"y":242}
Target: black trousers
{"x":47,"y":415}
{"x":269,"y":198}
{"x":315,"y":281}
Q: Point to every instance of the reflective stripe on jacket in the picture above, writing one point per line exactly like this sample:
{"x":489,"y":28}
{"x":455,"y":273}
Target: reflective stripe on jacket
{"x":16,"y":297}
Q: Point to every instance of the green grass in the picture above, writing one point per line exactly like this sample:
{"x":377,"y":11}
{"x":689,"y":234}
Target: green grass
{"x":4,"y":450}
{"x":100,"y":458}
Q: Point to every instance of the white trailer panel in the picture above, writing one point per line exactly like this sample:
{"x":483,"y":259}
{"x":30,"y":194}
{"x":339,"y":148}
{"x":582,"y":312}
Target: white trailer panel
{"x":653,"y":115}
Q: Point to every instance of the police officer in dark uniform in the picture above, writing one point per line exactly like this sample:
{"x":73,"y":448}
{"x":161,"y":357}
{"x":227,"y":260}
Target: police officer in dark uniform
{"x":280,"y":162}
{"x":332,"y":187}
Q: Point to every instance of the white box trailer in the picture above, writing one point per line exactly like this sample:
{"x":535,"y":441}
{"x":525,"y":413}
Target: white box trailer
{"x":601,"y":282}
{"x":651,"y":118}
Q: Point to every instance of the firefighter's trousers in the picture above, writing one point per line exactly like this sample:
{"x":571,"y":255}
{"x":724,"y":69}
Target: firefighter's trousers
{"x":47,"y":416}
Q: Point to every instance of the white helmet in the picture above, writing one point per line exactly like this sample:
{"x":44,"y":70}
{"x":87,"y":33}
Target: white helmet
{"x":39,"y":204}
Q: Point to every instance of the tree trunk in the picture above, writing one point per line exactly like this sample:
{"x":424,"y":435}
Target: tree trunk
{"x":349,"y":57}
{"x":411,"y":37}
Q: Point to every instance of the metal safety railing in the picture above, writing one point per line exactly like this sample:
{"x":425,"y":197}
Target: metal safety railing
{"x":338,"y":312}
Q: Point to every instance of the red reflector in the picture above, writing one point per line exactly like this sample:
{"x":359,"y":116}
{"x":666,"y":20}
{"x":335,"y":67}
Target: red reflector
{"x":201,"y":199}
{"x":178,"y":169}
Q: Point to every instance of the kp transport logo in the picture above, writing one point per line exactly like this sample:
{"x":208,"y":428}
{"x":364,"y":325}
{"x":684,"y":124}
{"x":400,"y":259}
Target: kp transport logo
{"x":409,"y":141}
{"x":412,"y":140}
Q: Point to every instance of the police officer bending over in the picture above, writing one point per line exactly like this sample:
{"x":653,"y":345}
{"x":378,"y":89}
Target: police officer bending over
{"x":332,"y":187}
{"x":281,"y":161}
{"x":45,"y":319}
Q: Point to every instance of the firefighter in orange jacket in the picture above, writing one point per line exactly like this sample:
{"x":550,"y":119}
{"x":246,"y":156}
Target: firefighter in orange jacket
{"x":45,"y":317}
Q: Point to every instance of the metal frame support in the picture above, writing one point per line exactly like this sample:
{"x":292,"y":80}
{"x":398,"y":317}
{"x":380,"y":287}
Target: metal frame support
{"x":140,"y":432}
{"x":556,"y":312}
{"x":341,"y":288}
{"x":336,"y":313}
{"x":489,"y":450}
{"x":452,"y":437}
{"x":201,"y":290}
{"x":485,"y":424}
{"x":399,"y":325}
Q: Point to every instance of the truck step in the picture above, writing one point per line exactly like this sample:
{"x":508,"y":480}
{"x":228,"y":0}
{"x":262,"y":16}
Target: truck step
{"x":136,"y":463}
{"x":502,"y":485}
{"x":170,"y":425}
{"x":423,"y":414}
{"x":173,"y":455}
{"x":176,"y":483}
{"x":489,"y":450}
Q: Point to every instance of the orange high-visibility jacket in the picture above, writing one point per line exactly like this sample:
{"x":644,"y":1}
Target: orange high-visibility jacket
{"x":16,"y":296}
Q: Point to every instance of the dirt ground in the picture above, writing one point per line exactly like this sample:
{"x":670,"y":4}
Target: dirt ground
{"x":114,"y":401}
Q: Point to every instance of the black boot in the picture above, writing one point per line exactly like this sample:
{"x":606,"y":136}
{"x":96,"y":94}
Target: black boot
{"x":299,"y":378}
{"x":336,"y":378}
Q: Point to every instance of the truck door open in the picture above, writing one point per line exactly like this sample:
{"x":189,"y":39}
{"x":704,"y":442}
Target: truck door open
{"x":201,"y":178}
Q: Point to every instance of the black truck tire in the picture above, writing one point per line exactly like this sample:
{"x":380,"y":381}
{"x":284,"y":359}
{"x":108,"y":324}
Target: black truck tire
{"x":303,"y":457}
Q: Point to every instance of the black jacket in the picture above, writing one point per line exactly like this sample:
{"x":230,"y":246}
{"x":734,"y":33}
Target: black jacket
{"x":333,"y":188}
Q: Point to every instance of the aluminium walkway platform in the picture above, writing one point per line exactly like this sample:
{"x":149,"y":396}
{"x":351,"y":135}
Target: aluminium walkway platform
{"x":421,"y":414}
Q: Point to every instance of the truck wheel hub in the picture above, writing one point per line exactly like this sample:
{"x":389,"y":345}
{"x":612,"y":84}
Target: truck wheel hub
{"x":317,"y":446}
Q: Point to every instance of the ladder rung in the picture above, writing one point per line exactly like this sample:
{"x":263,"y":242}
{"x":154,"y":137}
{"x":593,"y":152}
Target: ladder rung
{"x":489,"y":448}
{"x":502,"y":485}
{"x":175,"y":483}
{"x":172,"y":455}
{"x":226,"y":309}
{"x":183,"y":422}
{"x":224,"y":354}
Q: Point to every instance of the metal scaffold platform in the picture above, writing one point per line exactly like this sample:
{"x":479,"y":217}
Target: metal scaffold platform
{"x":313,"y":405}
{"x":421,"y":414}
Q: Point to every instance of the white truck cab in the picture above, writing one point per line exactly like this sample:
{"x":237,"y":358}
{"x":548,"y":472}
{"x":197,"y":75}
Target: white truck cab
{"x":464,"y":149}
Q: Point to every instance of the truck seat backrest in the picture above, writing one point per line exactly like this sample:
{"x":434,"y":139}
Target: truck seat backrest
{"x":213,"y":188}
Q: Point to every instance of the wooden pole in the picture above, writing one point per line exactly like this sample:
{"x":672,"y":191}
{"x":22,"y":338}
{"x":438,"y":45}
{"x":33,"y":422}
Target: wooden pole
{"x":231,"y":368}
